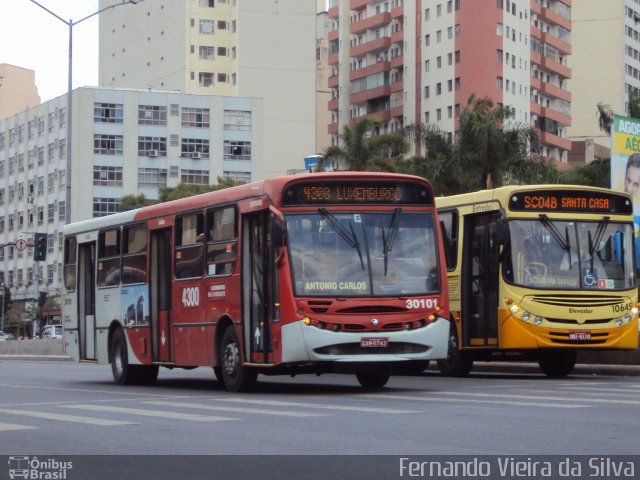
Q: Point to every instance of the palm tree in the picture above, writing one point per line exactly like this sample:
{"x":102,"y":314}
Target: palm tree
{"x":605,"y":113}
{"x":361,"y":151}
{"x":490,"y":141}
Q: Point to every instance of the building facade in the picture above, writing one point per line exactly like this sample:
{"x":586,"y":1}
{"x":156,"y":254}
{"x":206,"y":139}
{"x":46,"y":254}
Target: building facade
{"x":419,"y":61}
{"x":605,"y":66}
{"x":249,"y":48}
{"x":17,"y":90}
{"x":124,"y":141}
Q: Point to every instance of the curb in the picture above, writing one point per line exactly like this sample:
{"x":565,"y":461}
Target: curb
{"x":532,"y":367}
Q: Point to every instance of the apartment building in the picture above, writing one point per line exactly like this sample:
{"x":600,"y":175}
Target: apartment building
{"x":17,"y":89}
{"x":124,"y":141}
{"x":605,"y":66}
{"x":418,"y":61}
{"x":249,"y":48}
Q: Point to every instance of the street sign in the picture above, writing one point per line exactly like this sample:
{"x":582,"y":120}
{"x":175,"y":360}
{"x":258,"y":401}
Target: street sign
{"x":21,"y":244}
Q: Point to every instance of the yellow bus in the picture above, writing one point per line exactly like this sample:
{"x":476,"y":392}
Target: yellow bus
{"x":538,"y":272}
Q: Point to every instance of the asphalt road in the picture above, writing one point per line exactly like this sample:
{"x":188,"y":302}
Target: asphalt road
{"x":66,"y":408}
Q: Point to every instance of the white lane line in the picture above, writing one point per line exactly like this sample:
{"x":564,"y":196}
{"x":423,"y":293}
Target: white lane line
{"x":237,"y":409}
{"x":539,"y":397}
{"x":148,"y":413}
{"x":314,"y":405}
{"x":475,"y":400}
{"x":6,"y":427}
{"x":84,"y":390}
{"x":65,"y":418}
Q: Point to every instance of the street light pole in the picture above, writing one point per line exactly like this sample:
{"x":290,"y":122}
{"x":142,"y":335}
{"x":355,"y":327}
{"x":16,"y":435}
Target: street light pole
{"x":70,"y":24}
{"x":3,"y":292}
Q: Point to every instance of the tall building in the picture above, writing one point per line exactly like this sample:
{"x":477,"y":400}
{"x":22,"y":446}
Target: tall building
{"x":249,"y":48}
{"x":605,"y":65}
{"x":18,"y":90}
{"x":124,"y":141}
{"x":418,"y":61}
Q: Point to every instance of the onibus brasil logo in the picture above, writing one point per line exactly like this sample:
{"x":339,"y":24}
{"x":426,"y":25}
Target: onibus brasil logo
{"x":37,"y":469}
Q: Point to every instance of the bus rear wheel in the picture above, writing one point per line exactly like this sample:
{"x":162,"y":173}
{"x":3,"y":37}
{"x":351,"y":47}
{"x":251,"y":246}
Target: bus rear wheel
{"x":374,"y":379}
{"x":557,"y":363}
{"x":123,"y":372}
{"x":458,"y":362}
{"x":235,"y":376}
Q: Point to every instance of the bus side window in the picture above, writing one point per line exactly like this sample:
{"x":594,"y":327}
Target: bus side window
{"x":70,"y":263}
{"x":134,"y":255}
{"x":189,"y":234}
{"x":222,"y":240}
{"x":449,"y":227}
{"x":109,"y":258}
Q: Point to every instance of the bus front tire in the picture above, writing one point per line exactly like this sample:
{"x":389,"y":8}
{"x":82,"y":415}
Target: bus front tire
{"x":235,"y":376}
{"x":458,"y":362}
{"x":123,"y":372}
{"x":374,"y":379}
{"x":557,"y":363}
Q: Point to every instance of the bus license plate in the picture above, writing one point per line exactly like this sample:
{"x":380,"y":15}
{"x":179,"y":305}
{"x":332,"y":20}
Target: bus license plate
{"x":368,"y":342}
{"x":580,"y":336}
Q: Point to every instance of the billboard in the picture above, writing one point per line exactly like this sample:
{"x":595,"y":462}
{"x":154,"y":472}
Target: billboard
{"x":625,"y":166}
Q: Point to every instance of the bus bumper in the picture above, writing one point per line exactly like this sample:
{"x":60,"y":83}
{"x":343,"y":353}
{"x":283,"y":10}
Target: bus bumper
{"x":306,"y":343}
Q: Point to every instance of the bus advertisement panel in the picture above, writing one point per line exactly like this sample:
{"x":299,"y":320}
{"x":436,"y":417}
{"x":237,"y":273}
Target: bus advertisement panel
{"x":539,"y":272}
{"x":315,"y":273}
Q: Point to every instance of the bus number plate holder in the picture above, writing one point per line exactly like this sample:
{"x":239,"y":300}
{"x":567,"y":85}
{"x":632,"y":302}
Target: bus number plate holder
{"x":374,"y":342}
{"x":580,"y":336}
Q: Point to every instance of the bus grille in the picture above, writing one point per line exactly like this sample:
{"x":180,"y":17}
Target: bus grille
{"x":601,"y":321}
{"x":356,"y":349}
{"x":373,"y":309}
{"x":577,"y":300}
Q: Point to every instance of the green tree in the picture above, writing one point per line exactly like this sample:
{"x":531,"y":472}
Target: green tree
{"x":605,"y":113}
{"x":595,"y":174}
{"x":183,"y":190}
{"x":131,"y":202}
{"x":360,"y":150}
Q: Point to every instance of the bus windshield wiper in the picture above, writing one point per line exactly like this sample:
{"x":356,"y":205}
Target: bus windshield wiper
{"x":597,"y":238}
{"x":555,"y":233}
{"x":346,"y":235}
{"x":388,"y":239}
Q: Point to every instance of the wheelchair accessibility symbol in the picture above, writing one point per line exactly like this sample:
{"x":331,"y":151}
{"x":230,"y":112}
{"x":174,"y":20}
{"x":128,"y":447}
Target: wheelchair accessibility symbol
{"x":589,"y":280}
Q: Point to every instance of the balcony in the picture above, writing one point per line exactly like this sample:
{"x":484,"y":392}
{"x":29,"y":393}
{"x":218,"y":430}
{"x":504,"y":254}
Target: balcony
{"x":381,"y":43}
{"x":333,"y":35}
{"x":548,"y":138}
{"x":358,"y":4}
{"x":536,"y":109}
{"x":554,"y":66}
{"x":361,"y":97}
{"x":559,"y":117}
{"x":334,"y":81}
{"x":397,"y":12}
{"x":384,"y":115}
{"x":564,"y":47}
{"x":334,"y":58}
{"x":553,"y":91}
{"x":556,"y":18}
{"x":332,"y":128}
{"x":333,"y":104}
{"x":370,"y":22}
{"x":370,"y":70}
{"x":397,"y":37}
{"x":397,"y":112}
{"x":397,"y":86}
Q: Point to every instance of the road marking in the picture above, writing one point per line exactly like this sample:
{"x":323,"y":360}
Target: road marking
{"x":314,"y":405}
{"x":66,"y":418}
{"x":598,"y":391}
{"x":538,"y":397}
{"x":148,"y":413}
{"x":474,"y":400}
{"x":237,"y":409}
{"x":5,"y":427}
{"x":84,"y":390}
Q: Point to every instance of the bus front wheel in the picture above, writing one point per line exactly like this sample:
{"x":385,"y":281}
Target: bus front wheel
{"x":123,"y":372}
{"x":374,"y":379}
{"x":235,"y":376}
{"x":458,"y":362}
{"x":557,"y":363}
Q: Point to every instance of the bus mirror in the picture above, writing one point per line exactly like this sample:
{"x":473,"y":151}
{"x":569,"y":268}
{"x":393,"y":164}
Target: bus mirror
{"x":501,"y":230}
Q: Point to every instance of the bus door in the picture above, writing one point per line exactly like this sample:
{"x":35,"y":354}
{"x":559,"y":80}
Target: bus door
{"x":87,"y":300}
{"x":480,"y":269}
{"x":259,"y":286}
{"x":160,"y":294}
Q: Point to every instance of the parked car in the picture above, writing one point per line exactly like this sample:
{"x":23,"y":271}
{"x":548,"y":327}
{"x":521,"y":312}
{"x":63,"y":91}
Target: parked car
{"x":3,"y":336}
{"x":51,"y":331}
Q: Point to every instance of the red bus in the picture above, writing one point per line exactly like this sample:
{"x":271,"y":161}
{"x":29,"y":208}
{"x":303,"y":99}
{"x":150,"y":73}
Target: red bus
{"x":316,"y":273}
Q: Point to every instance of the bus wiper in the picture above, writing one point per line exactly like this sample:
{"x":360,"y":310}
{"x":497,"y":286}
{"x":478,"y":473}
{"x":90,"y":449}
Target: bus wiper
{"x":346,"y":235}
{"x":602,"y":226}
{"x":388,"y":240}
{"x":555,"y":233}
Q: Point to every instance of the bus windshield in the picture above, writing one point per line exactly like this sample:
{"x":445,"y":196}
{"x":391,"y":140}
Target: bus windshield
{"x":557,"y":254}
{"x":362,"y":254}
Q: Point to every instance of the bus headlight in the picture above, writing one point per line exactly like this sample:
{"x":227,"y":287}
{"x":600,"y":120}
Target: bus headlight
{"x":514,"y":308}
{"x":634,"y":311}
{"x":618,"y":322}
{"x":627,"y":318}
{"x":526,"y":316}
{"x":538,"y":321}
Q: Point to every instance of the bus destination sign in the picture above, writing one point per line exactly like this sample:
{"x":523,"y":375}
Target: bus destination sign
{"x":357,"y":192}
{"x":570,"y":201}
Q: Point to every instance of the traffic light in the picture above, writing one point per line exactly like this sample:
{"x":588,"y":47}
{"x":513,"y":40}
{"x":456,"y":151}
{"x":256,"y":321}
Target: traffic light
{"x":40,"y":247}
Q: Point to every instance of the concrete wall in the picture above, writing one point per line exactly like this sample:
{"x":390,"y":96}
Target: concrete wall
{"x":32,"y":347}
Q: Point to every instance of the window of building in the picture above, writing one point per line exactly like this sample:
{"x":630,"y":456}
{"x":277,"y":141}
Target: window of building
{"x":206,"y":52}
{"x":194,"y":147}
{"x":206,"y":27}
{"x":222,"y":51}
{"x":152,"y":146}
{"x":237,"y":150}
{"x":152,"y":178}
{"x":107,"y":144}
{"x":195,"y":117}
{"x":107,"y":112}
{"x":152,"y":115}
{"x":194,"y":177}
{"x":205,"y":79}
{"x":206,"y":3}
{"x":107,"y":176}
{"x":105,"y":206}
{"x":222,"y":78}
{"x":237,"y":120}
{"x":222,"y":25}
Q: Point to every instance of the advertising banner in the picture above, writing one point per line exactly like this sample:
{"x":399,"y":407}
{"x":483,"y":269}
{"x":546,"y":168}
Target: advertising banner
{"x":625,"y":166}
